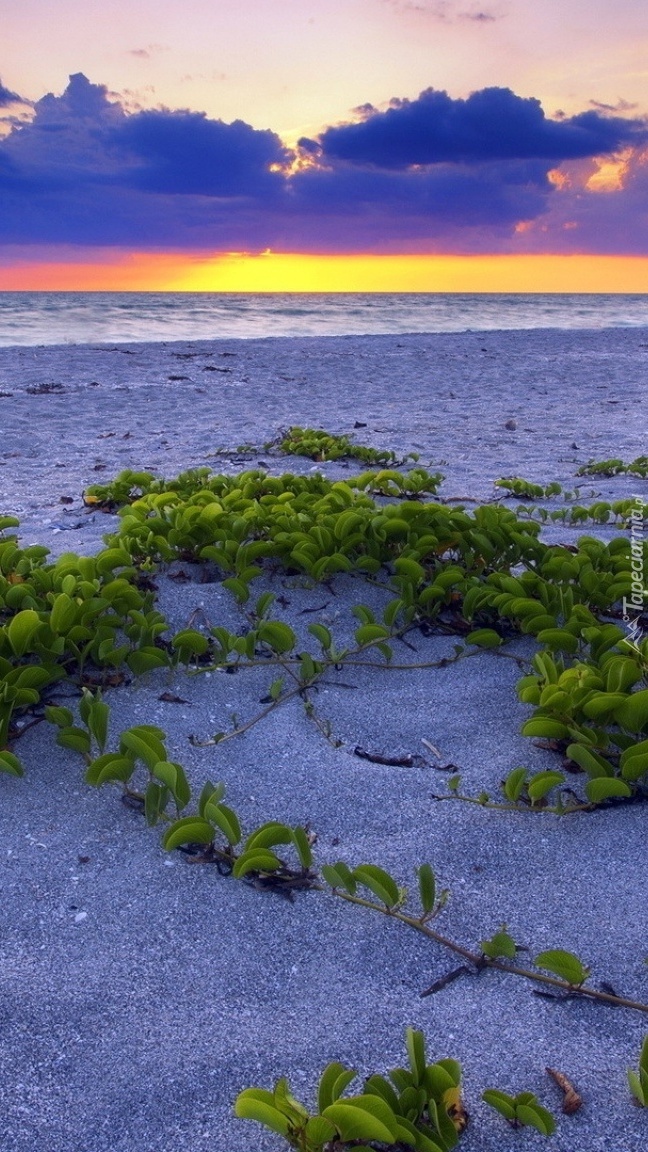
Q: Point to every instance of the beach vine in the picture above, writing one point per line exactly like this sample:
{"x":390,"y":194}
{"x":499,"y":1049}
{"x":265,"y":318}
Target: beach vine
{"x":482,"y":578}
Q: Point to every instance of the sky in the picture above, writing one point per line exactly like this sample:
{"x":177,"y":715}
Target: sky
{"x":289,"y":145}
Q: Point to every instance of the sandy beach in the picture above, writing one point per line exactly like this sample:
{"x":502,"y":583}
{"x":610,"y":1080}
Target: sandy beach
{"x":141,"y":993}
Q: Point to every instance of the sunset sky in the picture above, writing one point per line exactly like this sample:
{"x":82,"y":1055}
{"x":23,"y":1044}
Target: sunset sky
{"x":291,"y":145}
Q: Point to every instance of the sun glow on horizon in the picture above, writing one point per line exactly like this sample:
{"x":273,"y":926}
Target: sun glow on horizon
{"x":299,"y":272}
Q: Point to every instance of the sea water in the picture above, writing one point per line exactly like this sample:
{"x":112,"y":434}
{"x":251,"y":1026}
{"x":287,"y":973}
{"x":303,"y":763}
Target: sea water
{"x":34,"y":318}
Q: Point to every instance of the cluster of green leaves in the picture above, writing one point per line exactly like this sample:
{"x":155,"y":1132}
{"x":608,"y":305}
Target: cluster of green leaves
{"x":417,"y":1107}
{"x":141,"y":749}
{"x":523,"y":1109}
{"x":526,"y":489}
{"x":561,"y":591}
{"x":319,"y":527}
{"x":64,"y":618}
{"x":125,"y":488}
{"x":602,"y":512}
{"x":613,"y":467}
{"x":596,"y":710}
{"x":443,"y":565}
{"x":319,"y":445}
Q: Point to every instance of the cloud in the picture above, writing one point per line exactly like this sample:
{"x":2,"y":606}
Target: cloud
{"x":431,"y":174}
{"x":148,"y":52}
{"x":444,"y":11}
{"x":579,"y":218}
{"x":7,"y":97}
{"x":492,"y":124}
{"x":185,"y":152}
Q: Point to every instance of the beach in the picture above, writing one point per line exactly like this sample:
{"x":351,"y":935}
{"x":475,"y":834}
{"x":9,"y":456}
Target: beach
{"x":142,"y":992}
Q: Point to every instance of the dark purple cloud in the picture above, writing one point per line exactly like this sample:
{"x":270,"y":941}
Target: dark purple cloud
{"x":492,"y":124}
{"x":185,"y":152}
{"x":7,"y":97}
{"x":431,"y":174}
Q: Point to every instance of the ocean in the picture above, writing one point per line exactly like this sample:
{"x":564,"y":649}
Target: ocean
{"x":38,"y":318}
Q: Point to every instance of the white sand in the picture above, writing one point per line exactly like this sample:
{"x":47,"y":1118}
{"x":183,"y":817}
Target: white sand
{"x":140,"y":993}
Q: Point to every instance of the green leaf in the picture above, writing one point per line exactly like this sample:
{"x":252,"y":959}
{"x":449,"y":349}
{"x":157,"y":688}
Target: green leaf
{"x":643,"y":1056}
{"x":307,"y":668}
{"x":633,"y":713}
{"x":636,"y":1088}
{"x":189,"y":643}
{"x":188,"y":830}
{"x":634,"y":761}
{"x":302,"y":844}
{"x":263,"y":603}
{"x":267,"y":835}
{"x":173,"y":776}
{"x":545,"y":729}
{"x":210,"y":791}
{"x":63,"y":614}
{"x":427,"y":888}
{"x":288,"y":1104}
{"x":501,"y":944}
{"x":604,"y":788}
{"x":112,"y":558}
{"x":484,"y":638}
{"x":339,"y":876}
{"x":378,"y":1086}
{"x":75,"y":738}
{"x":411,"y":569}
{"x":97,"y":721}
{"x":277,"y":635}
{"x":363,"y":1118}
{"x":391,"y":611}
{"x":558,"y":640}
{"x":514,"y":784}
{"x":589,"y":761}
{"x":276,"y":688}
{"x":60,"y":716}
{"x":500,"y":1101}
{"x":238,"y":588}
{"x":415,"y":1044}
{"x":21,"y":630}
{"x":145,"y":745}
{"x":255,"y":860}
{"x":565,"y":965}
{"x":145,"y":659}
{"x":321,"y":634}
{"x":155,"y":798}
{"x":542,"y":783}
{"x":225,"y":818}
{"x":535,"y":1116}
{"x":248,"y":1106}
{"x":10,"y":763}
{"x":109,"y":767}
{"x":601,"y":704}
{"x":370,"y":633}
{"x":379,"y":882}
{"x":334,"y":1079}
{"x":319,"y":1131}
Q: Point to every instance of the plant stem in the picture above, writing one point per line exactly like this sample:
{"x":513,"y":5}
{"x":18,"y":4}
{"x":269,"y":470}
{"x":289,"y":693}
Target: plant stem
{"x":479,"y":961}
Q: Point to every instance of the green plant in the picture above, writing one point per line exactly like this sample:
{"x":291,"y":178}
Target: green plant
{"x":320,"y":445}
{"x":528,"y":490}
{"x":638,"y":1081}
{"x":140,"y":748}
{"x":522,"y":1110}
{"x":417,"y":1107}
{"x":639,"y":467}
